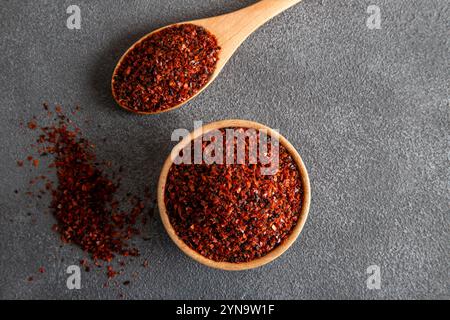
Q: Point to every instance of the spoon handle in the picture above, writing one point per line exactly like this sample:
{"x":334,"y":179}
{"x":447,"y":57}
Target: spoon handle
{"x":264,"y":10}
{"x":233,"y":28}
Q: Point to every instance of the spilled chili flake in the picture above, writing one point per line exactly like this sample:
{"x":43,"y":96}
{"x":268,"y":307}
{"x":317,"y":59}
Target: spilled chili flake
{"x":84,"y":199}
{"x":32,"y":125}
{"x":232,"y":212}
{"x":111,"y":272}
{"x":166,"y":69}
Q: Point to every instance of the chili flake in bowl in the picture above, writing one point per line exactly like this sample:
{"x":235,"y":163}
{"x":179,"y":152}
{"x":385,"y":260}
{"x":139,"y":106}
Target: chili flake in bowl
{"x":239,"y":213}
{"x":165,"y":69}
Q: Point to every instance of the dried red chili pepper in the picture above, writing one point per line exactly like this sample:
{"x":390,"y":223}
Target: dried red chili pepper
{"x":166,"y":69}
{"x":232,"y":212}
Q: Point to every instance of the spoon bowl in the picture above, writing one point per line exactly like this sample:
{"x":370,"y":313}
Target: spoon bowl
{"x":230,"y":30}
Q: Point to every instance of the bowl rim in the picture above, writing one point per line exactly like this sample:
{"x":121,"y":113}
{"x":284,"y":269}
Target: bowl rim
{"x":273,"y":254}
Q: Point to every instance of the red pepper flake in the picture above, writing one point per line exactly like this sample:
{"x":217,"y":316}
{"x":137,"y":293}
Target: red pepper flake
{"x":41,"y":270}
{"x":20,"y":163}
{"x":232,"y":212}
{"x":111,"y":273}
{"x":32,"y":125}
{"x":84,"y":198}
{"x":166,"y":69}
{"x":30,"y":279}
{"x":84,"y":263}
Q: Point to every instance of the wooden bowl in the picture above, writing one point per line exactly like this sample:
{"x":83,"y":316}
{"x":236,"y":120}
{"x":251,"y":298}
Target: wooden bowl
{"x":272,"y":255}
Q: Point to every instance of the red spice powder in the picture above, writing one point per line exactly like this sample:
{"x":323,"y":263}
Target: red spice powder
{"x":166,"y":69}
{"x":232,"y":212}
{"x":84,"y":198}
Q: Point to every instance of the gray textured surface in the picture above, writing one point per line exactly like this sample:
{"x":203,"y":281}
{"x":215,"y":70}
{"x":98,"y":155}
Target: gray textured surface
{"x":367,"y":110}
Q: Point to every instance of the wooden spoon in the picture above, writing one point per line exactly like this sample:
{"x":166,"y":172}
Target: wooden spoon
{"x":231,"y":31}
